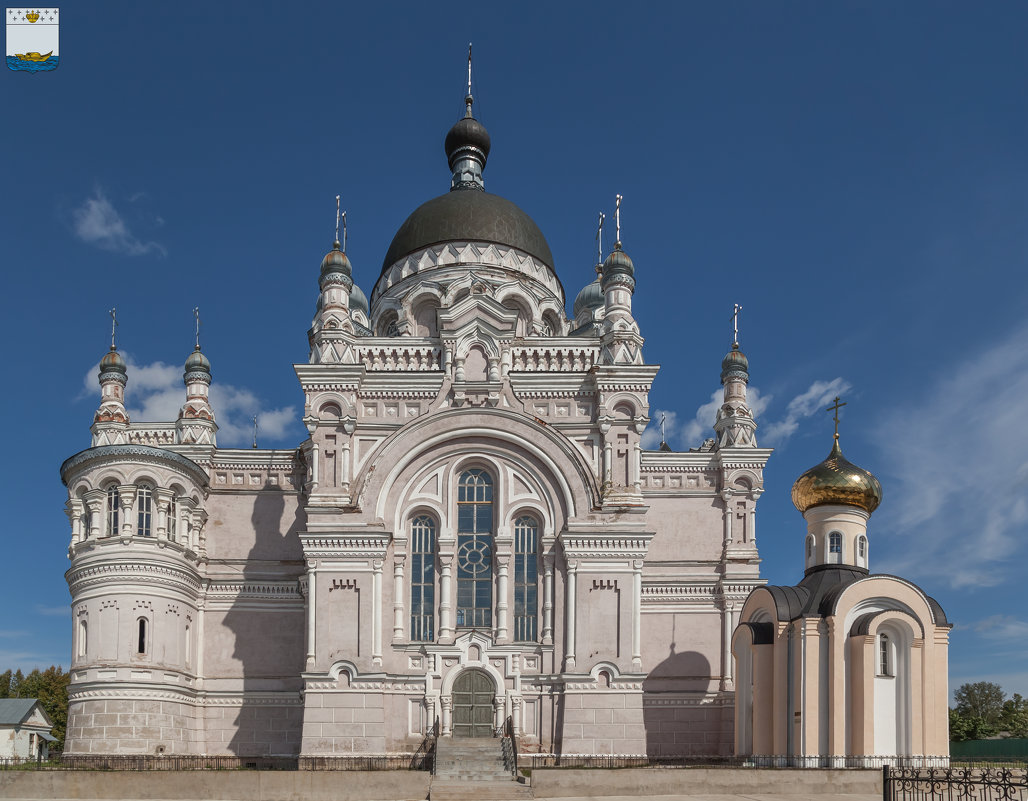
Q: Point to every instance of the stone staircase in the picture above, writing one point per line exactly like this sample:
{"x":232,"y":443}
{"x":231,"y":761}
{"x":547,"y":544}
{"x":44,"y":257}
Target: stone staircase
{"x":471,"y":769}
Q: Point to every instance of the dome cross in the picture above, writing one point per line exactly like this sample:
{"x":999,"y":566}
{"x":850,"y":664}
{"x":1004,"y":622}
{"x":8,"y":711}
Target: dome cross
{"x":114,"y":326}
{"x":735,"y":326}
{"x":196,"y":315}
{"x":835,"y":408}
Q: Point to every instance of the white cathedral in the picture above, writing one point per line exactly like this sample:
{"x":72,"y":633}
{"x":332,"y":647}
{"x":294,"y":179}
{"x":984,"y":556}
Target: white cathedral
{"x":471,"y":532}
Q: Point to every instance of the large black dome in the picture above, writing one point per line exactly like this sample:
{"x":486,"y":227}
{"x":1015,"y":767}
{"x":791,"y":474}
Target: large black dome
{"x":468,"y":216}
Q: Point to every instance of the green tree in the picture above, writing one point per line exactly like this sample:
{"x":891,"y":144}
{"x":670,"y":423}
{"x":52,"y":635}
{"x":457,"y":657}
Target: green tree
{"x":981,"y":699}
{"x":968,"y":727}
{"x":49,"y":687}
{"x":1014,"y":717}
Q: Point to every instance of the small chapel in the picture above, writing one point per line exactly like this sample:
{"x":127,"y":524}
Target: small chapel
{"x":847,"y":663}
{"x":472,"y":536}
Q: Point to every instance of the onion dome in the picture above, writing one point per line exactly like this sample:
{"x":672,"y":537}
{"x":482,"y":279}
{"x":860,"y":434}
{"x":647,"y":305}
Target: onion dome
{"x":359,"y":301}
{"x":335,"y":268}
{"x":734,"y":362}
{"x":618,"y":268}
{"x":112,"y":362}
{"x":837,"y":481}
{"x":589,"y":299}
{"x":197,"y":363}
{"x":467,"y":139}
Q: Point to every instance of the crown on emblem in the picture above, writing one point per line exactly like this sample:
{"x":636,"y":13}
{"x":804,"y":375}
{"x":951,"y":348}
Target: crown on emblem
{"x":32,"y":16}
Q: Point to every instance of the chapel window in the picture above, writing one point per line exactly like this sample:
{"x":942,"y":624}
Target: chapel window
{"x":884,"y":656}
{"x":835,"y":547}
{"x":422,"y":579}
{"x":474,"y":549}
{"x":141,"y":643}
{"x":862,"y":551}
{"x":526,"y":575}
{"x":810,"y":548}
{"x":83,"y":643}
{"x":144,"y":507}
{"x":173,"y":520}
{"x":113,"y":510}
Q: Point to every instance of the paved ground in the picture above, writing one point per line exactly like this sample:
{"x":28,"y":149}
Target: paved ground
{"x":736,"y":797}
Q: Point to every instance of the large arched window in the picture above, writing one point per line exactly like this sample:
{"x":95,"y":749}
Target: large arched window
{"x":113,"y":509}
{"x":422,"y":578}
{"x":144,"y":507}
{"x":475,"y":550}
{"x":526,"y":579}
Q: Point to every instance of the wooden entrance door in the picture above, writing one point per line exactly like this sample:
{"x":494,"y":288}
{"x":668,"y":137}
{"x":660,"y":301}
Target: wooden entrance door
{"x":473,"y":693}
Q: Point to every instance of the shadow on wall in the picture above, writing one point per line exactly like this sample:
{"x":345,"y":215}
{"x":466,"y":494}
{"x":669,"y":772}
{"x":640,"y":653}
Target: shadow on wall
{"x":674,"y":729}
{"x":267,"y":646}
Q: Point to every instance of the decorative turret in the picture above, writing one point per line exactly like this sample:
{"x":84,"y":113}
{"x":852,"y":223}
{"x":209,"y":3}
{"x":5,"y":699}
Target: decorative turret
{"x":341,"y":306}
{"x":622,"y":343}
{"x":111,"y":419}
{"x":836,"y":498}
{"x":735,"y":426}
{"x":195,"y":424}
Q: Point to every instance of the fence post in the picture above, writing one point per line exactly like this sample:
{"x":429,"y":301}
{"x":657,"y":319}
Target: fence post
{"x":886,"y":795}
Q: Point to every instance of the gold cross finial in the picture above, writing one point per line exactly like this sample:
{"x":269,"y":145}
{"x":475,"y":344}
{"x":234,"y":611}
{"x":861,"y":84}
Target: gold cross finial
{"x":835,"y":408}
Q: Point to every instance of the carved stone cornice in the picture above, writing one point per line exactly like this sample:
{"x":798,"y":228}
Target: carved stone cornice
{"x":132,"y":572}
{"x":143,"y":454}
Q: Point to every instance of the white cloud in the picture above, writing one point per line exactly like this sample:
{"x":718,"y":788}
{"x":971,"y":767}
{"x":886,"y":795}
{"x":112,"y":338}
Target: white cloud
{"x":155,"y":393}
{"x":99,"y":223}
{"x":957,"y":457}
{"x":770,"y":432}
{"x":1003,"y":627}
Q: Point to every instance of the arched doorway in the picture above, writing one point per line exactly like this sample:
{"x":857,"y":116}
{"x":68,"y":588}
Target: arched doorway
{"x":473,"y":693}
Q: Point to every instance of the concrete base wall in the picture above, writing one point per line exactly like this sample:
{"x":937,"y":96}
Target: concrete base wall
{"x":230,"y":785}
{"x":131,"y":726}
{"x":644,"y":782}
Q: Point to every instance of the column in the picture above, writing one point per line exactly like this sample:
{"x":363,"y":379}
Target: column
{"x":445,"y":607}
{"x":163,"y":498}
{"x":73,"y":508}
{"x":516,"y":714}
{"x":501,"y":600}
{"x":547,"y":600}
{"x":398,"y":599}
{"x":95,"y":500}
{"x":199,"y":639}
{"x":376,"y":613}
{"x":498,"y":704}
{"x":127,"y":497}
{"x":311,"y":620}
{"x":728,"y":626}
{"x":447,"y":703}
{"x":726,"y":497}
{"x":635,"y":480}
{"x":637,"y":614}
{"x":569,"y":650}
{"x":752,"y":520}
{"x":344,"y":467}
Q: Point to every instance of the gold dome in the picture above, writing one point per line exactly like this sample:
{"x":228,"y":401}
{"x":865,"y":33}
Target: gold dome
{"x":837,"y":480}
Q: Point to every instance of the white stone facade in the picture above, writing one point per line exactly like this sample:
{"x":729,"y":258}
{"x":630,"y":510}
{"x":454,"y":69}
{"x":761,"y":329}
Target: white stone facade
{"x":472,"y":508}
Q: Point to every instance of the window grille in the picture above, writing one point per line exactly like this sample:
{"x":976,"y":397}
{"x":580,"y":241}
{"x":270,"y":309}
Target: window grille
{"x":526,"y":579}
{"x":422,"y":579}
{"x":475,"y":550}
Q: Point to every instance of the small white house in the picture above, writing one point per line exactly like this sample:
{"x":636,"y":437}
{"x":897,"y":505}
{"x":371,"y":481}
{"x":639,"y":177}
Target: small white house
{"x":24,"y":729}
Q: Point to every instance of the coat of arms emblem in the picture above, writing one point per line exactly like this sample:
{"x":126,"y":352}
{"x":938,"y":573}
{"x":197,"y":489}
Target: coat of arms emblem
{"x":32,"y":39}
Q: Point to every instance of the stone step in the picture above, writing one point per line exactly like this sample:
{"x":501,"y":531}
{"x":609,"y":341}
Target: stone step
{"x":448,"y":790}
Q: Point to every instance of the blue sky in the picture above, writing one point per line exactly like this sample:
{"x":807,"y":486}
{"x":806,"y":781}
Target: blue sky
{"x":854,"y":174}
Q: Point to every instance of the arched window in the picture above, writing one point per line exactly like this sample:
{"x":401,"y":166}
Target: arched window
{"x":141,"y":644}
{"x":810,"y":548}
{"x":144,"y":507}
{"x":835,"y":547}
{"x":526,"y":579}
{"x":173,"y":520}
{"x":113,"y":510}
{"x":884,"y":655}
{"x":83,"y":637}
{"x":475,"y":550}
{"x":862,"y":551}
{"x":422,"y":578}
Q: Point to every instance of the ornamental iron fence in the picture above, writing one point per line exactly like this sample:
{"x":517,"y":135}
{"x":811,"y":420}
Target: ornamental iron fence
{"x":955,"y":783}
